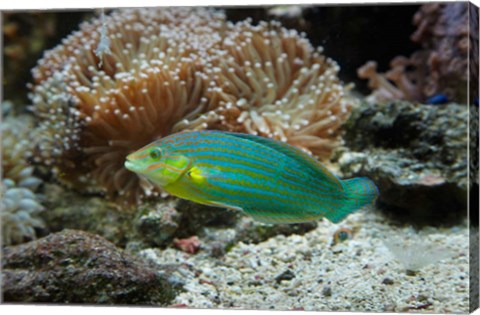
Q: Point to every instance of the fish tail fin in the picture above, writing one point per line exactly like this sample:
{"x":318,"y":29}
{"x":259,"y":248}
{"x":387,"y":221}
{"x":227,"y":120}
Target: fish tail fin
{"x":359,"y":192}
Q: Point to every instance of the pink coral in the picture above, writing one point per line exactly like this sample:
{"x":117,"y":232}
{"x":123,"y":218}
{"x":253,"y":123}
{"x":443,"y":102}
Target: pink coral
{"x":189,"y":245}
{"x":440,"y":67}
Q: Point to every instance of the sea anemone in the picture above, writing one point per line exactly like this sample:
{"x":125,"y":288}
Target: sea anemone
{"x":174,"y":69}
{"x":92,"y":117}
{"x":270,"y":81}
{"x":19,"y":205}
{"x":19,"y":213}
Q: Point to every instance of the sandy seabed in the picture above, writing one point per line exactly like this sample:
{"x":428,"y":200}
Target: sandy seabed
{"x":367,"y":272}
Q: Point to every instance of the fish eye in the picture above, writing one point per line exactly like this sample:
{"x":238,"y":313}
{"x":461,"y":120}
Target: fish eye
{"x":155,"y":154}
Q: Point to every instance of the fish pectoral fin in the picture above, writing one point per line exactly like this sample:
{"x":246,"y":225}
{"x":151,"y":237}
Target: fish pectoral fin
{"x":196,"y":175}
{"x":201,"y":175}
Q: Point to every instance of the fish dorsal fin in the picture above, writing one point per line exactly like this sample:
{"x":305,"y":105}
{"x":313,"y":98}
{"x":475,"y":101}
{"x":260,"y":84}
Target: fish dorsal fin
{"x":290,"y":151}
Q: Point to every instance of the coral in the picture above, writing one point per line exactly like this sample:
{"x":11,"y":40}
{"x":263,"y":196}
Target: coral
{"x":438,"y":68}
{"x":19,"y":206}
{"x":383,"y":89}
{"x":189,"y":245}
{"x":171,"y":70}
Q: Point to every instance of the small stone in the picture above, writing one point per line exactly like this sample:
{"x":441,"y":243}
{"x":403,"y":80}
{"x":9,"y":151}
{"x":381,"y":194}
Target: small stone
{"x":341,"y":235}
{"x":286,"y":275}
{"x":388,"y":281}
{"x":327,"y":291}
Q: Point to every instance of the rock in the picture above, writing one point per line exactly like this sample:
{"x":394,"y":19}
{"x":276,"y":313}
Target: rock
{"x":287,"y":275}
{"x":474,"y":141}
{"x":67,"y":209}
{"x":327,"y":291}
{"x":196,"y":217}
{"x":218,"y":241}
{"x":157,"y":223}
{"x":219,"y":229}
{"x":474,"y":163}
{"x":416,"y":154}
{"x":251,"y":231}
{"x":167,"y":222}
{"x":388,"y":281}
{"x":78,"y":267}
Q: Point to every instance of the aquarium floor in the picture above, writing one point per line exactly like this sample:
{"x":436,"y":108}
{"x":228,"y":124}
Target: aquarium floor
{"x":311,"y":273}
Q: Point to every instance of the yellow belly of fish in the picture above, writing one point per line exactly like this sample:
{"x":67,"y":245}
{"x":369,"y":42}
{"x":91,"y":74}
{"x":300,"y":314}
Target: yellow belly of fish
{"x":196,"y":178}
{"x":179,"y":190}
{"x":182,"y":190}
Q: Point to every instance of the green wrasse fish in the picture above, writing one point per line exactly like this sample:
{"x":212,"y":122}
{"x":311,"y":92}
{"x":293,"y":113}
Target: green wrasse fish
{"x":272,"y":181}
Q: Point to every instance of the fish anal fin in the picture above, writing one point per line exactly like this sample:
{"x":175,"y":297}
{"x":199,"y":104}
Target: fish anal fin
{"x":268,"y":218}
{"x":224,"y":205}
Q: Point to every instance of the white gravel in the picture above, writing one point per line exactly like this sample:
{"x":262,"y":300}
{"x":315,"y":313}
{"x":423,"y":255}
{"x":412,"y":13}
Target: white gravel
{"x":359,"y":274}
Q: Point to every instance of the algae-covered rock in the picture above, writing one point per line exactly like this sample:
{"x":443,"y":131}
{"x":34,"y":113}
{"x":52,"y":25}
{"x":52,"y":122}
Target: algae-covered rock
{"x":251,"y":231}
{"x":199,"y":219}
{"x":218,"y":241}
{"x":196,"y":217}
{"x":78,"y":267}
{"x":217,"y":229}
{"x":157,"y":223}
{"x":416,"y":154}
{"x":67,"y":209}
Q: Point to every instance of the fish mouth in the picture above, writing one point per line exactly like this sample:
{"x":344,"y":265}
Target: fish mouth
{"x":132,"y":166}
